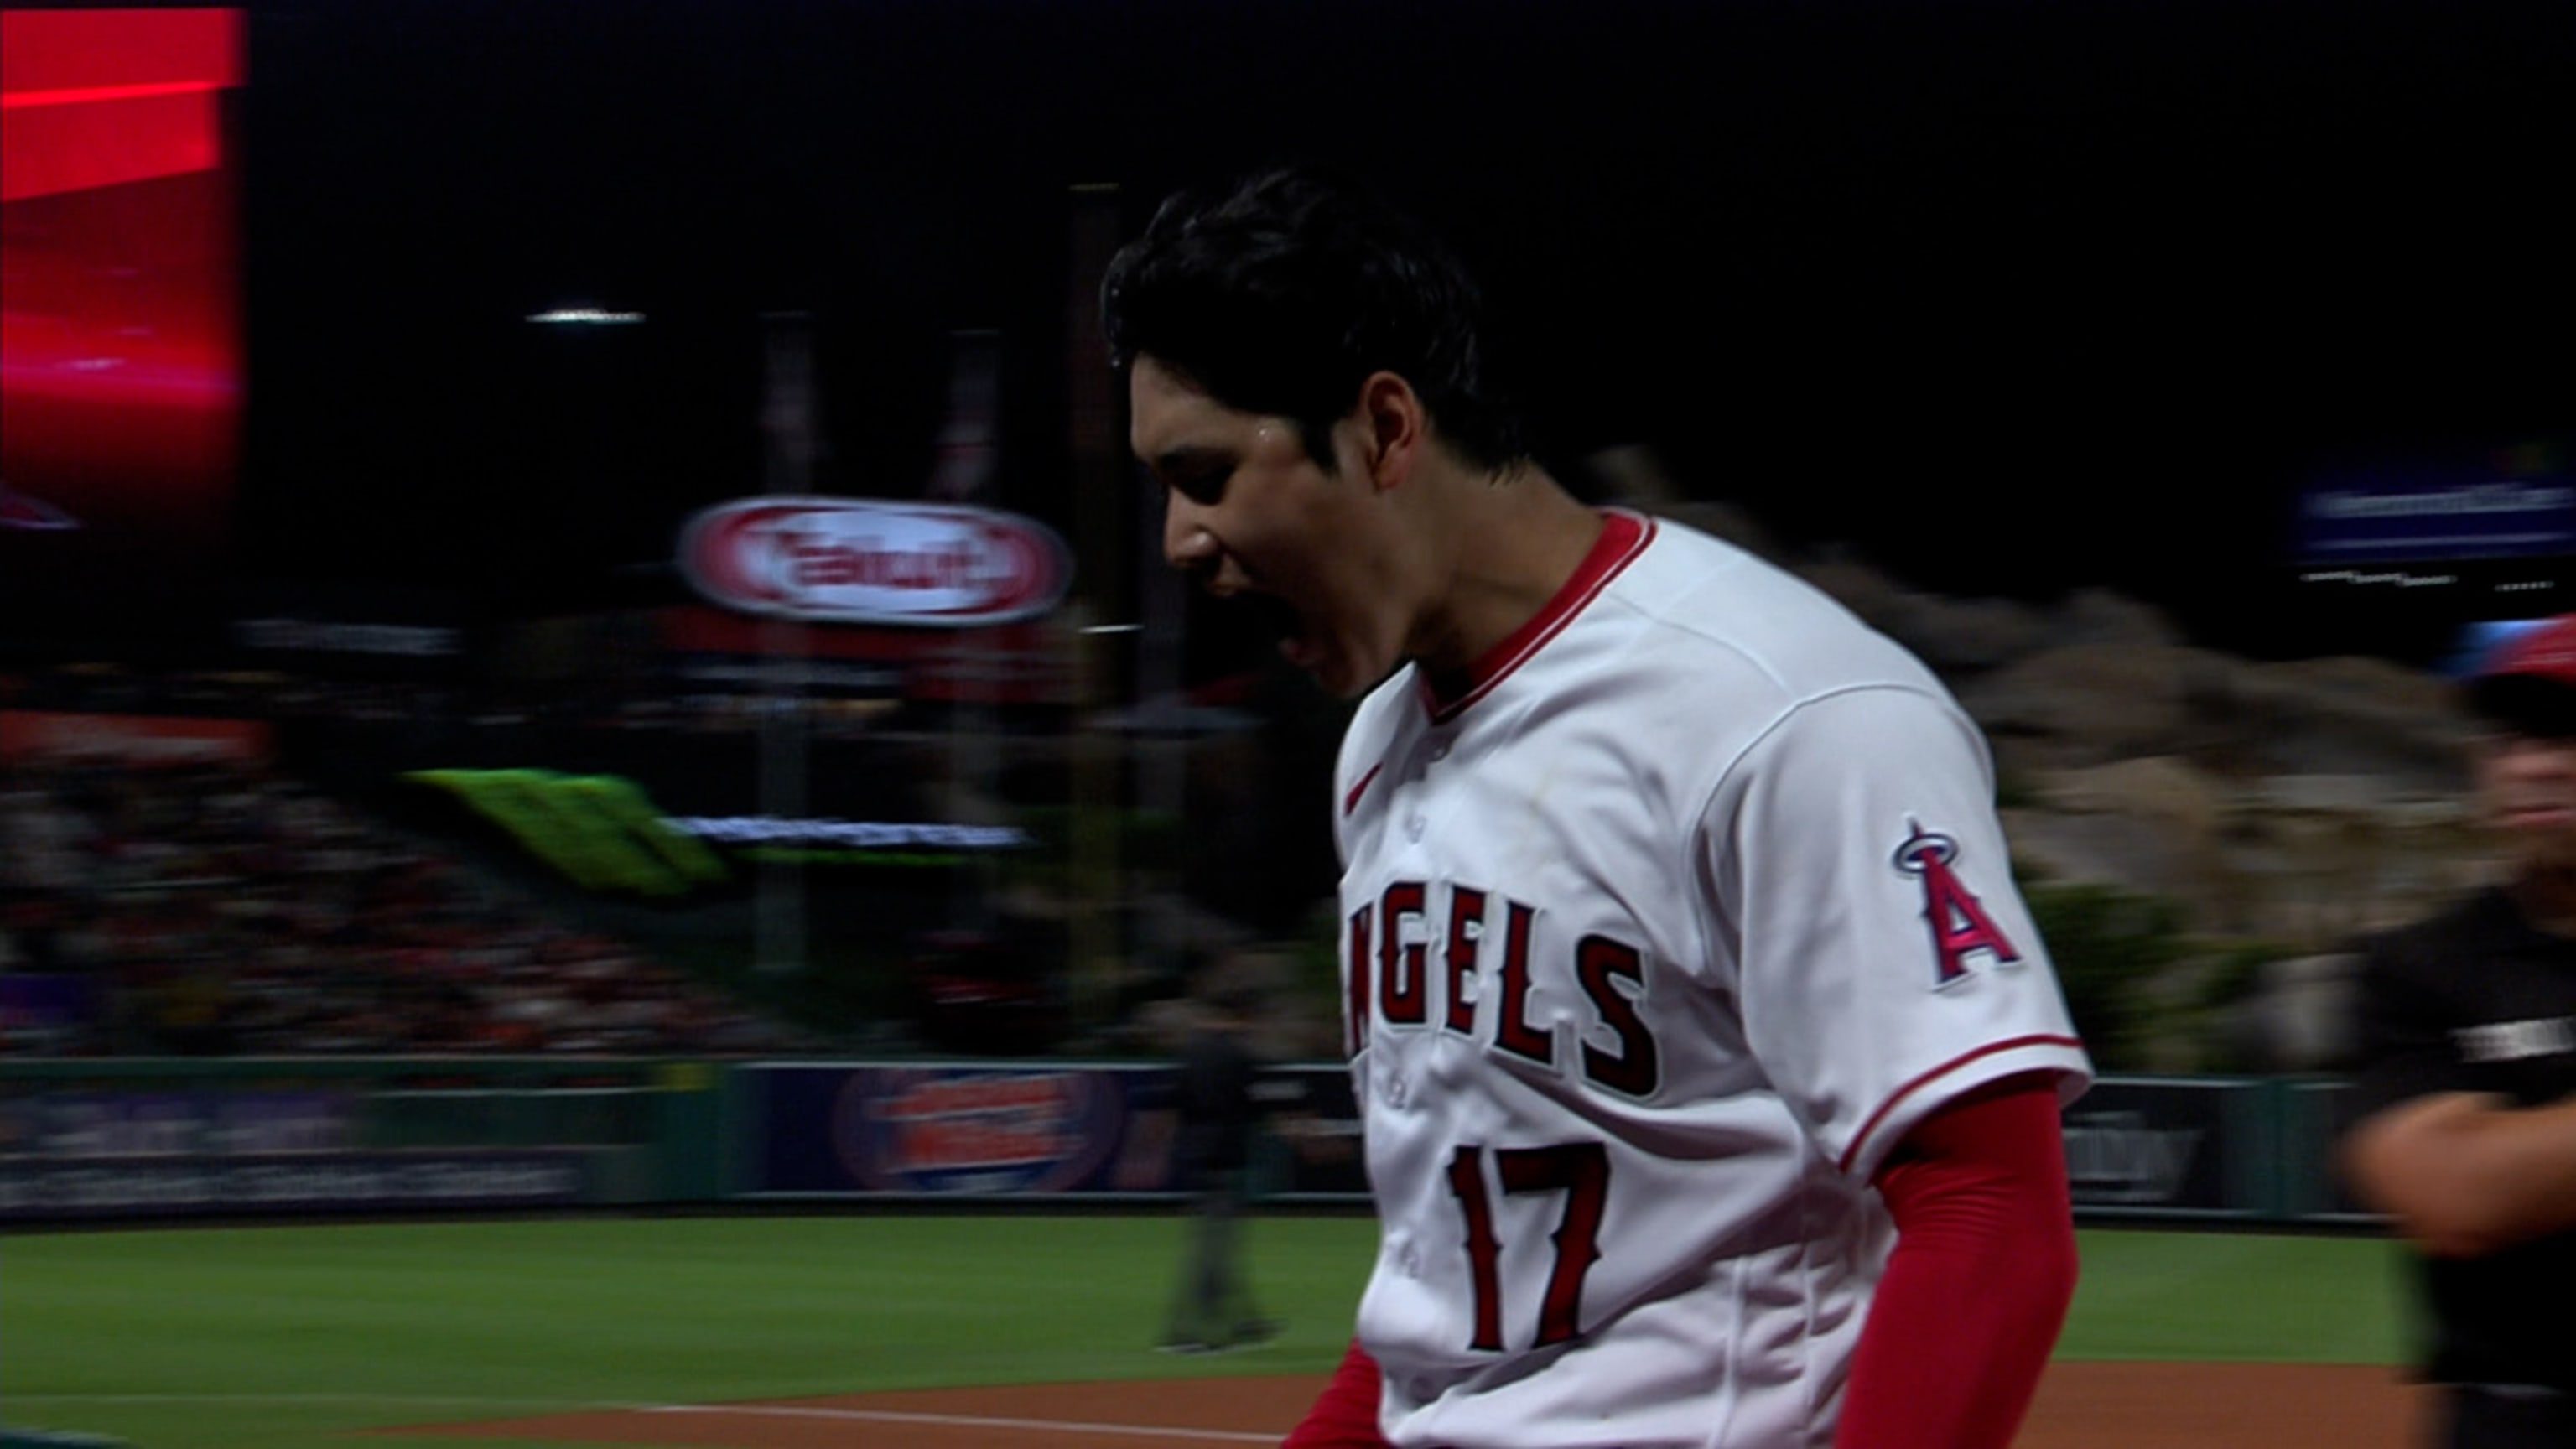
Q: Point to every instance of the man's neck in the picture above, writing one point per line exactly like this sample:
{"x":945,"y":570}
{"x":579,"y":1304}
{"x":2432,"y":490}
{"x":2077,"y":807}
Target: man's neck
{"x":1516,"y":545}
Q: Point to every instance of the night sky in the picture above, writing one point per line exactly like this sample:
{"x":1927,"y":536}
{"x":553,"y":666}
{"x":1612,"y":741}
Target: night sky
{"x":2014,"y":297}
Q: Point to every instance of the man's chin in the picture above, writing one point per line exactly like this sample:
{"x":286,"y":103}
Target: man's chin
{"x":1332,"y":670}
{"x":1338,"y":681}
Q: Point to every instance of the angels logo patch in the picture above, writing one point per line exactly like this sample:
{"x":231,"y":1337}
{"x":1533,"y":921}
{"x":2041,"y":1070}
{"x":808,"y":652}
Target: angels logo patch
{"x":1960,"y":925}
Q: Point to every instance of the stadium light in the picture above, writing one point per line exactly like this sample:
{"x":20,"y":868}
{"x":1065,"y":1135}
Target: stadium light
{"x":584,"y":317}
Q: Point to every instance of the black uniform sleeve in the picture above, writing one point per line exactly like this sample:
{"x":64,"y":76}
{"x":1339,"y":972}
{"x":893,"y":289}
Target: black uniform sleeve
{"x":2402,"y":1045}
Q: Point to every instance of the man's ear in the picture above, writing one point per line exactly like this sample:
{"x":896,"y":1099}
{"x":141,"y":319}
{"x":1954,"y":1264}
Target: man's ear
{"x":1394,"y":429}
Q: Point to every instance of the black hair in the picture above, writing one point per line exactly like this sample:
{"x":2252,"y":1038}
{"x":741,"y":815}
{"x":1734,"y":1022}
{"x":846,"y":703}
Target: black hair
{"x":1281,"y":294}
{"x":2533,"y":706}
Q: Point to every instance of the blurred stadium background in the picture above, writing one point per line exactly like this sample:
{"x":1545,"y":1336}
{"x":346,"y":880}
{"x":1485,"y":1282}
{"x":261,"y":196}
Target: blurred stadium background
{"x":576,"y":630}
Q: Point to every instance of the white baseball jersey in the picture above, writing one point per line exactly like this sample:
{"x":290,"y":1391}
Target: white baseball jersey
{"x":1654,"y":942}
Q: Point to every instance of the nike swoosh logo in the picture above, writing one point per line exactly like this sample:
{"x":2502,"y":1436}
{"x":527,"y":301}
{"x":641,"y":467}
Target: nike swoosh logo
{"x":1351,"y":801}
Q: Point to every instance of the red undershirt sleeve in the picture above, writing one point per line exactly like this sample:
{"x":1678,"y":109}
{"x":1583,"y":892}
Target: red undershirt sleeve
{"x":1344,"y":1416}
{"x":1977,"y":1286}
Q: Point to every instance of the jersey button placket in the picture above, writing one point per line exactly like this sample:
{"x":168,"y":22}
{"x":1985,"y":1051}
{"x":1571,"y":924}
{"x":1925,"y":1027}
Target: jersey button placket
{"x":1416,"y":821}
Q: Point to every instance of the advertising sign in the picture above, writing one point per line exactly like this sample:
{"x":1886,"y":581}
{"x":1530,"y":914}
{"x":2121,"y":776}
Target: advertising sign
{"x":863,"y":561}
{"x":203,"y":1122}
{"x":120,"y":327}
{"x":2517,"y":503}
{"x":2170,"y":1147}
{"x":40,"y":1008}
{"x":936,"y":1131}
{"x":300,"y":1182}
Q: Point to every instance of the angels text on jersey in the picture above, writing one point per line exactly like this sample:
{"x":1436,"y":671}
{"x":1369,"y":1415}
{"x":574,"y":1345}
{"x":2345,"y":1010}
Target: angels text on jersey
{"x":1457,"y":958}
{"x":1389,"y":976}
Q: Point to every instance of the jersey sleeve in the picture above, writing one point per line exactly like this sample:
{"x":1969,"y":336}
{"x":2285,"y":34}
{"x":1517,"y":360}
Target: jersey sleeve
{"x":1884,"y":960}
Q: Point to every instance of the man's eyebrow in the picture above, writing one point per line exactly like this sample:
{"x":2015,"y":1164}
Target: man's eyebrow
{"x":1187,"y":458}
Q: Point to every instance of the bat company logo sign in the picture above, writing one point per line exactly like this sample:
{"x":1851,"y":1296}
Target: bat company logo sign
{"x":964,"y":1130}
{"x":856,"y":561}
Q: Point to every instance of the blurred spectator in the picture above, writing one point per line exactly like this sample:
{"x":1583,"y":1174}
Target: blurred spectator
{"x":2465,"y":1128}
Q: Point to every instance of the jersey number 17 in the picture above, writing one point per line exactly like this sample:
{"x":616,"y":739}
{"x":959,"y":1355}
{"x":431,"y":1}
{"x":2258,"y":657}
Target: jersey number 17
{"x":1579,"y":1170}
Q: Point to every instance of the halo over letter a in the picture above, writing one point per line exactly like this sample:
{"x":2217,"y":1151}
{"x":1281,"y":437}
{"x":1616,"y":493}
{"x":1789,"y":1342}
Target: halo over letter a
{"x":1958,"y":920}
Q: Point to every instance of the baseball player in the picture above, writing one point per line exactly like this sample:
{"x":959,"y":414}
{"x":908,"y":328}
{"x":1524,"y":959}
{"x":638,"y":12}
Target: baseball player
{"x":1710,"y":1065}
{"x":2464,"y":1127}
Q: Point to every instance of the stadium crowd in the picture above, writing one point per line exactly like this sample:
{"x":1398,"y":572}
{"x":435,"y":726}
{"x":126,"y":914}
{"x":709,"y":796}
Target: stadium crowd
{"x":219,"y":906}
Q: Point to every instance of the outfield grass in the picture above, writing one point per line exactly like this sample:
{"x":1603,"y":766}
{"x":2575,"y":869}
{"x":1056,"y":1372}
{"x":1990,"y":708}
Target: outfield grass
{"x":2250,"y":1298}
{"x":294,"y":1337}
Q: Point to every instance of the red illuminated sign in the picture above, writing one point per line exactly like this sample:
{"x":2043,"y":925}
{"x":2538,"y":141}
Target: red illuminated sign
{"x":841,"y":560}
{"x":120,"y":353}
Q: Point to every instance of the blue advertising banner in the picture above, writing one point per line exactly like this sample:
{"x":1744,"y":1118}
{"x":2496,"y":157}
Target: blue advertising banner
{"x":303,"y":1182}
{"x":40,"y":1008}
{"x":1025,"y":1130}
{"x":2514,"y":504}
{"x":207,"y":1121}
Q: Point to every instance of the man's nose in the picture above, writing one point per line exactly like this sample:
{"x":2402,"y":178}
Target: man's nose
{"x":1187,"y":544}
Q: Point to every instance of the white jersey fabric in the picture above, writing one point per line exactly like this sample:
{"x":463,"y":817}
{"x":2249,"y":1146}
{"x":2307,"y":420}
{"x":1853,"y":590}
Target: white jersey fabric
{"x":1654,"y":942}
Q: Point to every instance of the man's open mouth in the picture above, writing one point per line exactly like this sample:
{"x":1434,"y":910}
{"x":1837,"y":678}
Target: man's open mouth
{"x":1275,"y":621}
{"x":1270,"y":616}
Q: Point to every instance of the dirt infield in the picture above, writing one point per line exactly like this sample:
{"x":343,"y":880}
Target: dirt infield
{"x":2080,"y":1406}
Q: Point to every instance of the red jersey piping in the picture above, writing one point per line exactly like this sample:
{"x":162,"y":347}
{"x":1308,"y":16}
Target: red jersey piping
{"x":1943,"y":1070}
{"x":1623,"y":537}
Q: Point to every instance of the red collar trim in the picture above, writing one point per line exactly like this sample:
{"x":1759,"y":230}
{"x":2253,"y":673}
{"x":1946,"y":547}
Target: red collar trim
{"x":1624,"y":535}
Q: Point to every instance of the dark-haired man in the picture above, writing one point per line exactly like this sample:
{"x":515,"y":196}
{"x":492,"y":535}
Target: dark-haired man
{"x":2465,"y":1127}
{"x":1709,"y":1063}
